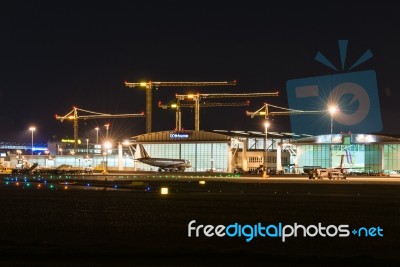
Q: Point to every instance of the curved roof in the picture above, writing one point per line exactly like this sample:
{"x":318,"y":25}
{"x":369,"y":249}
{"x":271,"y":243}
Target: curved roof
{"x":354,"y":139}
{"x":257,"y":134}
{"x":181,"y":136}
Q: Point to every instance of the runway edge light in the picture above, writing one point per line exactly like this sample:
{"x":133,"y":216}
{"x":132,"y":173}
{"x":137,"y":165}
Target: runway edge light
{"x":164,"y":190}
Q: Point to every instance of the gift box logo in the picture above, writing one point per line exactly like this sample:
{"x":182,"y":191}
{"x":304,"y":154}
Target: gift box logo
{"x":354,"y":93}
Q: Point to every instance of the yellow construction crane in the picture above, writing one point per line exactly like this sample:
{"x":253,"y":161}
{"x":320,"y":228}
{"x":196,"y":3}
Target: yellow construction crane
{"x":177,"y":105}
{"x":150,"y":85}
{"x":264,"y":111}
{"x":73,"y":115}
{"x":196,"y":98}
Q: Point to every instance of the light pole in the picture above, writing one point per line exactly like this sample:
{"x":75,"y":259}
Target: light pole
{"x":332,"y":111}
{"x":97,"y":135}
{"x":265,"y":174}
{"x":32,"y":129}
{"x":107,"y":126}
{"x":107,"y":146}
{"x":87,"y":147}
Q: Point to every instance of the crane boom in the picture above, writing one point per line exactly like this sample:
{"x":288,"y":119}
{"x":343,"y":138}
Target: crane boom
{"x":205,"y":105}
{"x":175,"y":84}
{"x":226,"y":95}
{"x":73,"y":115}
{"x":115,"y":116}
{"x":149,"y":86}
{"x":264,"y":111}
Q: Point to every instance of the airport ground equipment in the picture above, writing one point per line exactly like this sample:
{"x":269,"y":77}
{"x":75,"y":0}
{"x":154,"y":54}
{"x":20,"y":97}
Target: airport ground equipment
{"x":24,"y":169}
{"x":63,"y":169}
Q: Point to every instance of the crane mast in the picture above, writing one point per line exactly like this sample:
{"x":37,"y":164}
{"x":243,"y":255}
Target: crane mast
{"x":73,"y":115}
{"x":150,"y":85}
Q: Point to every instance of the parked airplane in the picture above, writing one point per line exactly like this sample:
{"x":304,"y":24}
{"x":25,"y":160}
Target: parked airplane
{"x":172,"y":165}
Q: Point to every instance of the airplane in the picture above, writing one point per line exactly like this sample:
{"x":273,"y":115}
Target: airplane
{"x":163,"y":164}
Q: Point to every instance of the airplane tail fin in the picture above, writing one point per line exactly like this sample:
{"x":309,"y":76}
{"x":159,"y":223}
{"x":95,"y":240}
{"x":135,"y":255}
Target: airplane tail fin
{"x":143,"y":152}
{"x":348,"y":156}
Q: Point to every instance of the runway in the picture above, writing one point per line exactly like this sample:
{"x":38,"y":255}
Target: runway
{"x":133,"y":223}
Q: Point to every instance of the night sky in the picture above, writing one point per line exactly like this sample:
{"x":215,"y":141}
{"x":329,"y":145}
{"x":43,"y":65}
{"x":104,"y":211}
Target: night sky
{"x":54,"y":56}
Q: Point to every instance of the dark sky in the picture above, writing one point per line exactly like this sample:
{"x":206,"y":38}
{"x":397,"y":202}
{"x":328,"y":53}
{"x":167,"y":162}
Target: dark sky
{"x":55,"y":55}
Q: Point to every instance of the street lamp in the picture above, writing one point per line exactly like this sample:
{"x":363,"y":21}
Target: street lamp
{"x":97,"y":135}
{"x":32,"y":129}
{"x":107,"y":126}
{"x":332,"y":111}
{"x":104,"y":162}
{"x":126,"y":143}
{"x":107,"y":146}
{"x":265,"y":174}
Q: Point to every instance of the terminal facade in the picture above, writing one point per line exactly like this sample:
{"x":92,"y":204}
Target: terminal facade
{"x":223,"y":151}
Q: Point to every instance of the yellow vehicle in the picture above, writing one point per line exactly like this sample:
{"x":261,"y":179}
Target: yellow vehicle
{"x":4,"y":169}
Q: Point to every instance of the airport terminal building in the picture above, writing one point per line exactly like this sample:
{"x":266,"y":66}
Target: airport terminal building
{"x":204,"y":150}
{"x":223,"y":151}
{"x":219,"y":151}
{"x":357,"y":152}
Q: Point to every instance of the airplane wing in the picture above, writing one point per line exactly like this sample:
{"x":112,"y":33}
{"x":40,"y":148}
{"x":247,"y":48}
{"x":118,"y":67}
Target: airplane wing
{"x":182,"y":164}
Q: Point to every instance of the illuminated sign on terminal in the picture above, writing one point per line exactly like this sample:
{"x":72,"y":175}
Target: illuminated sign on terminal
{"x":70,"y":141}
{"x":365,"y":138}
{"x":335,"y":138}
{"x":178,"y":135}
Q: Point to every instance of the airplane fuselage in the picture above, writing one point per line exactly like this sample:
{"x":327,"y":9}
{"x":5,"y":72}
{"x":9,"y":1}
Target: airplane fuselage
{"x":164,"y":163}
